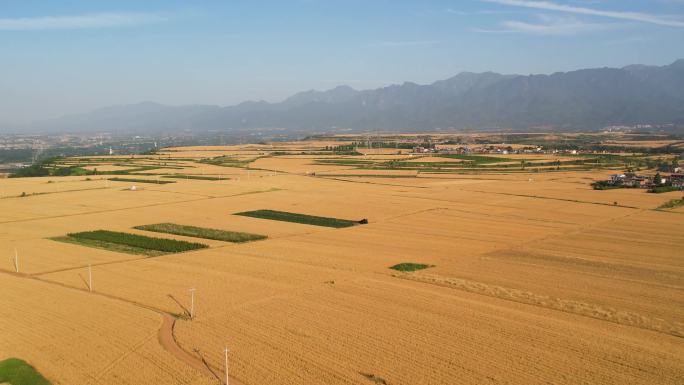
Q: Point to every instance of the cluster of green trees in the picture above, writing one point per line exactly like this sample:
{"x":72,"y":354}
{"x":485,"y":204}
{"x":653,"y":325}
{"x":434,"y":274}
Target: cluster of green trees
{"x":34,"y":170}
{"x":49,"y":167}
{"x":659,"y":187}
{"x":606,"y":185}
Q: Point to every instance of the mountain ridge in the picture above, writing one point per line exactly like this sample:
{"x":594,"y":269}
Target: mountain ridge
{"x":580,"y":99}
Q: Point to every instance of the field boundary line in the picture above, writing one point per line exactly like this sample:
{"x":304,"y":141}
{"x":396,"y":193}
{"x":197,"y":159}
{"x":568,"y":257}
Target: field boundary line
{"x":29,"y":195}
{"x":133,"y":207}
{"x":583,"y":309}
{"x":366,"y":182}
{"x":555,"y":199}
{"x":117,"y":360}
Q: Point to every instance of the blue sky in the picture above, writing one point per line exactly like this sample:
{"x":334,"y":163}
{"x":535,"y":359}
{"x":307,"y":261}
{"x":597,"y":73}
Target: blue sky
{"x":62,"y":57}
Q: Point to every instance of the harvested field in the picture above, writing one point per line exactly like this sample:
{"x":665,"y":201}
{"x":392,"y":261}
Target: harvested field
{"x":73,"y":337}
{"x":533,"y":277}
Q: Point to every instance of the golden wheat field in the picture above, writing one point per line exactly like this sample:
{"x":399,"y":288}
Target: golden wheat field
{"x":534,"y":277}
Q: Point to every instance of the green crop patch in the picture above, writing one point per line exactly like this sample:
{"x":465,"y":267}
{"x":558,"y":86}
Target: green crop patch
{"x":14,"y":371}
{"x":196,"y":177}
{"x":672,"y":204}
{"x":406,"y":267}
{"x":663,"y":189}
{"x":140,"y":180}
{"x":478,"y":159}
{"x":299,"y":218}
{"x":115,"y":247}
{"x":202,"y":232}
{"x":388,"y":176}
{"x":129,"y":243}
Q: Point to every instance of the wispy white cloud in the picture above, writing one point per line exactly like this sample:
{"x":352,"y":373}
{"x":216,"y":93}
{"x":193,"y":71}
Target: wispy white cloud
{"x":478,"y":12}
{"x":99,"y":20}
{"x":548,"y":25}
{"x":404,"y":43}
{"x":668,"y":21}
{"x":563,"y":27}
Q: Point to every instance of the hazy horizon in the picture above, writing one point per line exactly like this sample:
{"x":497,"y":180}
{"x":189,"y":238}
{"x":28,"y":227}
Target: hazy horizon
{"x":65,"y":59}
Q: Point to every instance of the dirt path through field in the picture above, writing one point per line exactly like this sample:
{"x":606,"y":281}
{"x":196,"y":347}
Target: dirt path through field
{"x":165,"y":333}
{"x":168,"y":342}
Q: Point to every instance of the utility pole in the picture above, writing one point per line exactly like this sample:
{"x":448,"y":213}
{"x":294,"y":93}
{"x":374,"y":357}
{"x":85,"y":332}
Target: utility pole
{"x":225,"y":350}
{"x":192,"y":303}
{"x":90,"y":277}
{"x":16,"y":260}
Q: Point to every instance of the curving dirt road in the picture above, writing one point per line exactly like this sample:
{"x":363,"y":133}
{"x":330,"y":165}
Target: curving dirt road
{"x":165,"y":334}
{"x":168,"y":342}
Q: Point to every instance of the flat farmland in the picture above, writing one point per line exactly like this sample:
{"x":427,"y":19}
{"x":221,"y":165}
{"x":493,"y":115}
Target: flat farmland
{"x":76,"y":338}
{"x":534,"y":277}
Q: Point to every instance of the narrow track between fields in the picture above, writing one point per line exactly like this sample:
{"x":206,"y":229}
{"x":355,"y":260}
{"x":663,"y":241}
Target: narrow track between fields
{"x":165,"y":334}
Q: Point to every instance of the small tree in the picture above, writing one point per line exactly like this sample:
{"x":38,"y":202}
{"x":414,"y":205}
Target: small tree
{"x":657,"y":179}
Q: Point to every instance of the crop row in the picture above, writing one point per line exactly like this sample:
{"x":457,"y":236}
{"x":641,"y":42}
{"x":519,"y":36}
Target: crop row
{"x":138,"y":180}
{"x":299,"y":218}
{"x":196,"y":177}
{"x":202,"y":232}
{"x":138,"y":241}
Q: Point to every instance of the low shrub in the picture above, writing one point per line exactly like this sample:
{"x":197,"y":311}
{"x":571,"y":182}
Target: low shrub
{"x":408,"y":266}
{"x":674,"y":203}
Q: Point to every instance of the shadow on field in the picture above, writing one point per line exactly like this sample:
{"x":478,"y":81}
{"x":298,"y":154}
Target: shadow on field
{"x":185,"y":310}
{"x":206,"y":365}
{"x":87,"y":286}
{"x":374,"y":378}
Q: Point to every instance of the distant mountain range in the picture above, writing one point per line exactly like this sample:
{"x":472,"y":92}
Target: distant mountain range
{"x":583,"y":99}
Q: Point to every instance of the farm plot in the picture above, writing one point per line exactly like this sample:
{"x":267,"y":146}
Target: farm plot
{"x":129,"y":243}
{"x":533,"y":278}
{"x":332,"y":335}
{"x":410,"y":266}
{"x":194,"y":177}
{"x":141,"y":180}
{"x":202,"y":232}
{"x":283,"y":216}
